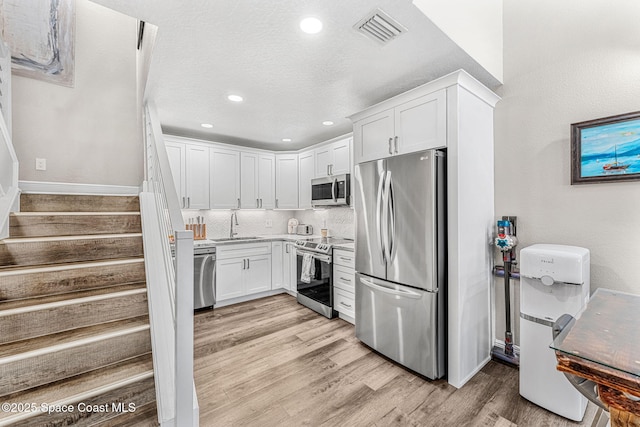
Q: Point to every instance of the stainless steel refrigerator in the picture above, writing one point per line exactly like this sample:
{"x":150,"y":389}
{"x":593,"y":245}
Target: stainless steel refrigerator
{"x":401,"y":259}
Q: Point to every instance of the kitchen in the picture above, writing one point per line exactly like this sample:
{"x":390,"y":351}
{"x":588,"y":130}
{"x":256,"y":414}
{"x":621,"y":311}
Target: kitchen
{"x":539,"y":75}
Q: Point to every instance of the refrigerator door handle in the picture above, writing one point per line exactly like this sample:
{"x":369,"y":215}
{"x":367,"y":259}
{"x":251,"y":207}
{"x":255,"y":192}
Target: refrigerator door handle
{"x":392,"y":291}
{"x":391,"y":217}
{"x":379,"y":221}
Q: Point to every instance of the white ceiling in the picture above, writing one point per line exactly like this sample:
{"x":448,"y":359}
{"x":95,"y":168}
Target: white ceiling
{"x":290,"y":81}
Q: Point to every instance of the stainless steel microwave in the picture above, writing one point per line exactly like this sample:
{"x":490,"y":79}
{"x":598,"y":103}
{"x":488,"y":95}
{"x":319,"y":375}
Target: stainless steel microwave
{"x":332,"y":190}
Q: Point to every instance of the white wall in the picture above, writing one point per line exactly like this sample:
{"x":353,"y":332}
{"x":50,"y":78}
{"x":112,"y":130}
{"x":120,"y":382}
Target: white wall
{"x":475,"y":26}
{"x":566,"y":62}
{"x":88,"y":133}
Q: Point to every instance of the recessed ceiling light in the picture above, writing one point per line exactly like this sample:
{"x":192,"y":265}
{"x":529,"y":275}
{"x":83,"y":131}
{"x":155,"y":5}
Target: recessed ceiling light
{"x":207,"y":125}
{"x":311,"y":25}
{"x":235,"y":98}
{"x":327,"y":123}
{"x":286,"y":139}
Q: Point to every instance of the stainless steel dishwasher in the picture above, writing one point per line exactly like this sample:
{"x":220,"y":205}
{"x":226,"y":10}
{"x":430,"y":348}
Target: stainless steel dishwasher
{"x":204,"y":277}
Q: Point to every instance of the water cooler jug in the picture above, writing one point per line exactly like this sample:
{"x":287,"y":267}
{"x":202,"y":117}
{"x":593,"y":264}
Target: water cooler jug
{"x":554,"y":280}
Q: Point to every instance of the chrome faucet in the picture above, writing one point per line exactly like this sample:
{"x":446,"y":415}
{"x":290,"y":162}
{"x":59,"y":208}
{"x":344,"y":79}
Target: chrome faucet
{"x":234,"y":215}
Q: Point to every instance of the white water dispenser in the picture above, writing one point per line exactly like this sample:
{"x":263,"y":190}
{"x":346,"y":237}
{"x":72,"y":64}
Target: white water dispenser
{"x":554,"y":280}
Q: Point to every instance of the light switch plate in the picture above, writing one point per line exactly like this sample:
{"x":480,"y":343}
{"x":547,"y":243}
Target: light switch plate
{"x":268,"y":223}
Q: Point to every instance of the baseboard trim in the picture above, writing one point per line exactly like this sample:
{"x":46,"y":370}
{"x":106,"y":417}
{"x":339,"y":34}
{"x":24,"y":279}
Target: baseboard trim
{"x":42,"y":187}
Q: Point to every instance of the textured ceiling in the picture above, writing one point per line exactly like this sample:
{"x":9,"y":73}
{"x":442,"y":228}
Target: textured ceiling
{"x":290,"y":81}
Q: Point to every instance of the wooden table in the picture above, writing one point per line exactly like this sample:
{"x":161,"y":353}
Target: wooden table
{"x":603,"y":345}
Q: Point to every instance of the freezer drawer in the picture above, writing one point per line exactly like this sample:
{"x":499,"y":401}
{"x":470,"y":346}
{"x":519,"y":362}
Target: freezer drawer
{"x":402,"y":323}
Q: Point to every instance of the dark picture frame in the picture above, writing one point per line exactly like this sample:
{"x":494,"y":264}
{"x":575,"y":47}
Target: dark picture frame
{"x":606,"y":149}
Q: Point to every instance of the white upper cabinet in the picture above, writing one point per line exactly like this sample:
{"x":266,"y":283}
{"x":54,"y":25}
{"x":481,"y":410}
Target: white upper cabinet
{"x":177,"y":163}
{"x":225,"y":178}
{"x":197,"y":173}
{"x":267,"y":180}
{"x":306,"y":172}
{"x":189,"y":165}
{"x":286,"y":181}
{"x":257,"y":180}
{"x":333,"y":159}
{"x":414,"y":125}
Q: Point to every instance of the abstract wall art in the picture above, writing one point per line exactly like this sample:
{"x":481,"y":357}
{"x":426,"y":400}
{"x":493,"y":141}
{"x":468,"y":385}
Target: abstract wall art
{"x":40,"y":34}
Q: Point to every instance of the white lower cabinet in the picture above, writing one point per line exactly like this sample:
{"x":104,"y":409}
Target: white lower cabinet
{"x":242,"y":269}
{"x":289,"y":268}
{"x":277,"y":264}
{"x":344,"y":284}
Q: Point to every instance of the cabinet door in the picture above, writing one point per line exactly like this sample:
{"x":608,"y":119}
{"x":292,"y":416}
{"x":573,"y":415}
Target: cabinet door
{"x":267,"y":181}
{"x":289,"y":267}
{"x":324,"y":159}
{"x":422,"y":123}
{"x":177,"y":161}
{"x":306,"y":173}
{"x":286,"y":181}
{"x":257,"y":275}
{"x":229,"y":278}
{"x":197,"y":174}
{"x":225,"y":178}
{"x":249,"y":198}
{"x":341,"y":157}
{"x":373,"y":136}
{"x":277,"y":264}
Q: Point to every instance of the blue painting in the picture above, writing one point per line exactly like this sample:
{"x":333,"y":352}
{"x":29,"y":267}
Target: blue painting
{"x":608,"y":150}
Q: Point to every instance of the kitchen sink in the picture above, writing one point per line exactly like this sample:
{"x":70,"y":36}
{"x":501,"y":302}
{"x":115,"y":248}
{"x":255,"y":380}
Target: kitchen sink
{"x":230,"y":239}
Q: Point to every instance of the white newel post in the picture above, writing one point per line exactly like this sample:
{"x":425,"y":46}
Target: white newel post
{"x":184,"y":328}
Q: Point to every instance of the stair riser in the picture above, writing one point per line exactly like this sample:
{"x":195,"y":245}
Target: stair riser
{"x":44,"y":322}
{"x":108,"y":407}
{"x":78,"y":203}
{"x":49,"y":367}
{"x":70,"y":225}
{"x":65,"y":251}
{"x":35,"y":284}
{"x":146,"y":416}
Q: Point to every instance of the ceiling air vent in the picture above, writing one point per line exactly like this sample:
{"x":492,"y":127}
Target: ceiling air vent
{"x":380,"y":27}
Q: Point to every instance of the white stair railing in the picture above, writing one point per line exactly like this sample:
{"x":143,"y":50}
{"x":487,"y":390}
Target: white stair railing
{"x":9,"y":190}
{"x":169,"y":268}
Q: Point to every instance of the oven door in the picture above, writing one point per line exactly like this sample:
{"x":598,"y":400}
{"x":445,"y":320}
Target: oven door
{"x":318,"y":293}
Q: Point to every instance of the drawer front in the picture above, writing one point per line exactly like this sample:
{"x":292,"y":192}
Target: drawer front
{"x":344,"y":278}
{"x":344,"y":258}
{"x":242,"y":250}
{"x":344,"y":302}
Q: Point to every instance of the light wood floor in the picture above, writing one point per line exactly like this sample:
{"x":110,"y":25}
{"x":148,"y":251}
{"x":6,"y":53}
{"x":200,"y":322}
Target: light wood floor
{"x":273,"y":362}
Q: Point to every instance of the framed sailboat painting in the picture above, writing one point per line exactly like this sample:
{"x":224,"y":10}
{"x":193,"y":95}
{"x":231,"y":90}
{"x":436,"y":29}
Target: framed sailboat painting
{"x":606,"y":149}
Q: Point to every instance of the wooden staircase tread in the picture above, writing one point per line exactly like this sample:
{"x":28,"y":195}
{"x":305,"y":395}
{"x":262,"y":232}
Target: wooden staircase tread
{"x":61,"y":339}
{"x":73,"y":213}
{"x":42,"y":302}
{"x":20,"y":240}
{"x":46,"y":268}
{"x":80,"y":387}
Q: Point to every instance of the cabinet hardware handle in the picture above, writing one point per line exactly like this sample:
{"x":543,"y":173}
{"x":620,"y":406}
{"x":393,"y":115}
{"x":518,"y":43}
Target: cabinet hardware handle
{"x":286,"y":247}
{"x":188,"y":202}
{"x":238,"y":203}
{"x":345,"y":258}
{"x":248,"y":264}
{"x":257,"y":203}
{"x":345,"y":279}
{"x":390,"y":149}
{"x":346,"y":305}
{"x":243,"y":263}
{"x":331,"y":169}
{"x":184,"y":202}
{"x":328,"y":170}
{"x":395,"y":143}
{"x":276,"y":203}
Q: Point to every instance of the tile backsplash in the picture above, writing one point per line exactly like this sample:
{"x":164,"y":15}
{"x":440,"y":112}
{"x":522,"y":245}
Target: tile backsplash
{"x":339,"y":221}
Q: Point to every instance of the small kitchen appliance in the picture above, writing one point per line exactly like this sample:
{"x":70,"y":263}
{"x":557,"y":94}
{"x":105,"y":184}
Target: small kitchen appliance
{"x":554,"y":280}
{"x":292,"y":226}
{"x":304,"y":230}
{"x":317,"y":293}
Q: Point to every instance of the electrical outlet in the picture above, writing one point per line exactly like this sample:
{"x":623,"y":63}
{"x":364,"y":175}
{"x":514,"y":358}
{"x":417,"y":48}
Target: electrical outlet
{"x":41,"y":164}
{"x":268,"y":223}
